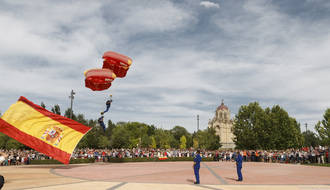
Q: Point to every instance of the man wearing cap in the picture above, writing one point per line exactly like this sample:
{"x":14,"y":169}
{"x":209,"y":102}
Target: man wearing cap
{"x":197,"y":161}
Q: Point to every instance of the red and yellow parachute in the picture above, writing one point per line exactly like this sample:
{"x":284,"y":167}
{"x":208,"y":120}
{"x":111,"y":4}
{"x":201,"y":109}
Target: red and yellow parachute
{"x":114,"y":65}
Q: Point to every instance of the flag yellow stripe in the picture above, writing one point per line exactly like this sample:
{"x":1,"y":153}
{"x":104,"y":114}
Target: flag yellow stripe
{"x":32,"y":122}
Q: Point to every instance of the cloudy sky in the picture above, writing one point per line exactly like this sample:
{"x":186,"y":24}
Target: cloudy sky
{"x":187,"y":56}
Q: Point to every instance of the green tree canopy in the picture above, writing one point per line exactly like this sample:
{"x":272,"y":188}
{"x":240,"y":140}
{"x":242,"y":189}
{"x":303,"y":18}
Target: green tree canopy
{"x":248,"y":125}
{"x":56,"y":109}
{"x":120,"y":138}
{"x":323,"y":128}
{"x":43,"y":105}
{"x":310,"y":139}
{"x":206,"y":139}
{"x":183,"y":142}
{"x":178,"y":132}
{"x":153,"y":142}
{"x":163,"y":138}
{"x":255,"y":128}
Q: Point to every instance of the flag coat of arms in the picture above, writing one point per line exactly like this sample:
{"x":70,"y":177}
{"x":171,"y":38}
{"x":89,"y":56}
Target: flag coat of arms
{"x":42,"y":130}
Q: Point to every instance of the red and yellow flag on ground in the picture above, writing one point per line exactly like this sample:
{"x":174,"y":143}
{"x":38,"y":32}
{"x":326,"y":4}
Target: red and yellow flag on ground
{"x":44,"y":131}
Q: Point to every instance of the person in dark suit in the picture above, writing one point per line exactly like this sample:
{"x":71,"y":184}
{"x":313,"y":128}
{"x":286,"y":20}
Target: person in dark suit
{"x":197,"y":161}
{"x":239,"y":163}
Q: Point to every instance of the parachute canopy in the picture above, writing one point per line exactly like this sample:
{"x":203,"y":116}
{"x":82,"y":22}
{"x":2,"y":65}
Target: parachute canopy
{"x":116,"y":62}
{"x":99,"y":79}
{"x":114,"y":65}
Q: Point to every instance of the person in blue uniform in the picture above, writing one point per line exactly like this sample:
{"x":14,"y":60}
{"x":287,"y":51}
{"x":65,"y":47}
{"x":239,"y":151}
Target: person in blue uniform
{"x":108,"y":104}
{"x":197,"y":161}
{"x":239,"y":163}
{"x":100,"y":120}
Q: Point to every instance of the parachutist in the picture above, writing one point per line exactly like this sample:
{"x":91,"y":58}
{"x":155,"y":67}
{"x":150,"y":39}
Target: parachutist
{"x":101,"y":122}
{"x":108,"y":104}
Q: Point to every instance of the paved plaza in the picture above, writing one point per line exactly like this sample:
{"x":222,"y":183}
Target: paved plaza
{"x":165,"y":175}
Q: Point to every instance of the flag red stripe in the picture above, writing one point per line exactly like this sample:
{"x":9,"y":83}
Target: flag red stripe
{"x":63,"y":120}
{"x":34,"y":142}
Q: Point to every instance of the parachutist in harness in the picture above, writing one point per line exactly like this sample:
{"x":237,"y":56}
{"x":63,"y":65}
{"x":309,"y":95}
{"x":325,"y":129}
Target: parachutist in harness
{"x":108,"y":104}
{"x":100,"y":120}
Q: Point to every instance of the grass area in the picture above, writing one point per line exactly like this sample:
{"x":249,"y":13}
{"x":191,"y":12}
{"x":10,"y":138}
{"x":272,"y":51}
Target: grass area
{"x":315,"y":164}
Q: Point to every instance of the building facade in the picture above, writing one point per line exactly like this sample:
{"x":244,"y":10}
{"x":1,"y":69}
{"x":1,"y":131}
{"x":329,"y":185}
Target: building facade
{"x":223,"y":125}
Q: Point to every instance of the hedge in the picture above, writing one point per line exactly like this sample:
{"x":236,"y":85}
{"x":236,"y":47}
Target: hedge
{"x":72,"y":161}
{"x":174,"y":159}
{"x":118,"y":160}
{"x":316,"y":164}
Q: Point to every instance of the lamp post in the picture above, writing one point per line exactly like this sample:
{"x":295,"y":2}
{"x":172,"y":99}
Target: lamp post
{"x":197,"y":122}
{"x":71,"y":97}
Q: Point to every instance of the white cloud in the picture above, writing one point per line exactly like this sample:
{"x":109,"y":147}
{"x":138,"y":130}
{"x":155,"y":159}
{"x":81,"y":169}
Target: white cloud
{"x":287,"y":56}
{"x":184,"y":61}
{"x":209,"y":4}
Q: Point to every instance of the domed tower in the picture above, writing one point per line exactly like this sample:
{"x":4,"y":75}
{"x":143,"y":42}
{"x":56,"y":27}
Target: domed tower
{"x":223,"y":125}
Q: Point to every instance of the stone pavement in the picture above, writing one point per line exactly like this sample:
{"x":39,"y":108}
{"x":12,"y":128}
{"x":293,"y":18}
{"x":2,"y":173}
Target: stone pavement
{"x":165,"y":175}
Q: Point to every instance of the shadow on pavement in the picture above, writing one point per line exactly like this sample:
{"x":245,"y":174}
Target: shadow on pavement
{"x":230,"y":178}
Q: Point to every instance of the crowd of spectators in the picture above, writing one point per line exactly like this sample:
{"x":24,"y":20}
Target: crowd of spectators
{"x":318,"y":155}
{"x":304,"y":155}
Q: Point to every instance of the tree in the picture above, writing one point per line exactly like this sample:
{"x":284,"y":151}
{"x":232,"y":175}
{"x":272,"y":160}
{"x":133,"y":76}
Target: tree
{"x":177,"y":133}
{"x":92,"y":138}
{"x":146,"y":141}
{"x":213,"y":142}
{"x":285,"y":130}
{"x":206,"y":139}
{"x":151,"y":130}
{"x":103,"y":142}
{"x":195,"y":143}
{"x":3,"y":140}
{"x":183,"y":142}
{"x":67,"y":114}
{"x":81,"y":119}
{"x":43,"y":105}
{"x":13,"y":144}
{"x":120,"y":138}
{"x":109,"y":129}
{"x":310,"y":139}
{"x":255,"y":128}
{"x":163,"y":138}
{"x":323,"y":128}
{"x":153,"y":142}
{"x":56,"y":109}
{"x":248,"y":125}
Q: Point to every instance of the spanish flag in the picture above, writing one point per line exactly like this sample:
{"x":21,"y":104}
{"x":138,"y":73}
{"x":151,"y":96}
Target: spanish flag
{"x":46,"y":132}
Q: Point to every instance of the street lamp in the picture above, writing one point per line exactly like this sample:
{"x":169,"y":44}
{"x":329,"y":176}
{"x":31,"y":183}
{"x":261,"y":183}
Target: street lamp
{"x":197,"y":122}
{"x":71,"y":97}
